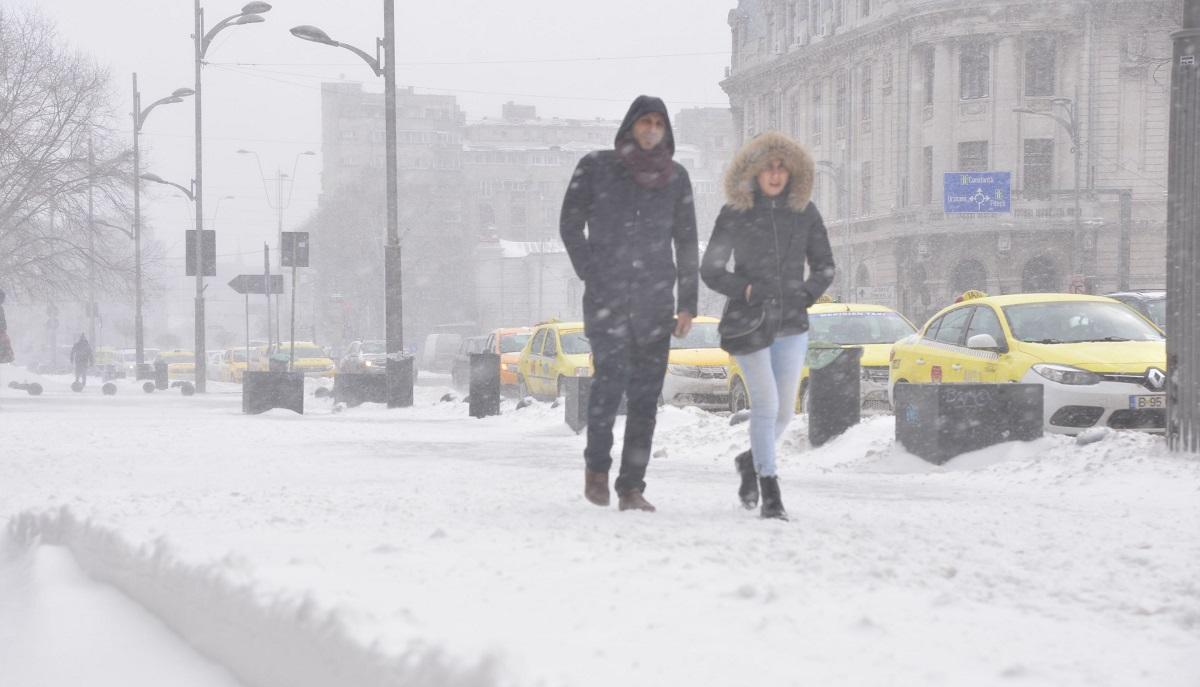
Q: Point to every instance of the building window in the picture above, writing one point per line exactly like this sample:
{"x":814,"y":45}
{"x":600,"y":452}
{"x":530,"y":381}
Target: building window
{"x":818,"y":17}
{"x":517,"y":216}
{"x":865,"y":104}
{"x":840,"y":101}
{"x":817,"y":124}
{"x":973,"y":156}
{"x":864,"y":8}
{"x":927,"y":177}
{"x":865,"y":185}
{"x":1039,"y":167}
{"x":975,"y":71}
{"x":1040,"y":59}
{"x":927,"y":74}
{"x":839,"y":6}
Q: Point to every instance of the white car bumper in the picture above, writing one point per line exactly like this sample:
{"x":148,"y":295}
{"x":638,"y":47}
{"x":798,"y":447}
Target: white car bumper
{"x":708,"y":393}
{"x":1072,"y":408}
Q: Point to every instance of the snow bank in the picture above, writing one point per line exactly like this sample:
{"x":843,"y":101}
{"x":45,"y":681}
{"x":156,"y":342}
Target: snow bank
{"x":265,"y":639}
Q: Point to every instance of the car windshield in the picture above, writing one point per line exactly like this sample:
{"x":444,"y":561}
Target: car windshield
{"x":854,"y":328}
{"x":172,"y":358}
{"x":1158,"y":312}
{"x":703,"y":335}
{"x":374,"y":347}
{"x":575,"y":342}
{"x":1077,"y":322}
{"x":513,"y":343}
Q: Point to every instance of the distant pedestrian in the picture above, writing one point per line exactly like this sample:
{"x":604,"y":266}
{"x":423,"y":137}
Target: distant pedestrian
{"x":770,"y":229}
{"x":81,"y":357}
{"x":636,"y":204}
{"x":6,"y":347}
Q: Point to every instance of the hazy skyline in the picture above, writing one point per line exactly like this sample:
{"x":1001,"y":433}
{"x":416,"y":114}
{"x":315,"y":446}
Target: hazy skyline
{"x":262,"y":85}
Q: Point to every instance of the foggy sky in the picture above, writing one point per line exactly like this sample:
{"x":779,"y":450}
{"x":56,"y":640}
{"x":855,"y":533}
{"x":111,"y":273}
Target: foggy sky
{"x":273,"y":107}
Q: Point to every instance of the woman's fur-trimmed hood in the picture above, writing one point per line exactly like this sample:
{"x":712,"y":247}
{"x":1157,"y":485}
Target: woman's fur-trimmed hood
{"x":740,"y":179}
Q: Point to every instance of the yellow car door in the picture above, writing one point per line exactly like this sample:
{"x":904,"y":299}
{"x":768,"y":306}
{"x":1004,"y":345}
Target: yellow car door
{"x":531,"y":364}
{"x":985,"y":362}
{"x":943,"y":356}
{"x":550,"y":364}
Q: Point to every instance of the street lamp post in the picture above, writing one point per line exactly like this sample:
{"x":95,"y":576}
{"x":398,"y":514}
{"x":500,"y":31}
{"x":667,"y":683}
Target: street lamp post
{"x":1070,"y":123}
{"x":142,"y":370}
{"x":251,"y":14}
{"x":392,"y":267}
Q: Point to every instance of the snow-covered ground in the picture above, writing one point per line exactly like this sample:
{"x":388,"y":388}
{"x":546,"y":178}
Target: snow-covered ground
{"x":423,"y":547}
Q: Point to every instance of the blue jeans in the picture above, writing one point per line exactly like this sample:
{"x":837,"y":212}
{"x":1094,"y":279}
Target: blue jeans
{"x":773,"y":379}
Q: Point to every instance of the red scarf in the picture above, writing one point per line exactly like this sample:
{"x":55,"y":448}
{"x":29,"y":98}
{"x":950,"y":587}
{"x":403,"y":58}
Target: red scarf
{"x":652,"y":169}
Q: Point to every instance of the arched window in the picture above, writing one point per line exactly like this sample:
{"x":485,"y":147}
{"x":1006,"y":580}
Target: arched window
{"x":1040,"y":275}
{"x":967,"y":275}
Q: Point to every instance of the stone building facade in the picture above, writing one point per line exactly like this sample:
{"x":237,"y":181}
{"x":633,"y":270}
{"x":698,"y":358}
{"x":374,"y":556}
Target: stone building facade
{"x":890,"y":95}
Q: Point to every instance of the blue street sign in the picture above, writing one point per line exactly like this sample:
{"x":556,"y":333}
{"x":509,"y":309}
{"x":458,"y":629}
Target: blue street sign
{"x":977,"y":192}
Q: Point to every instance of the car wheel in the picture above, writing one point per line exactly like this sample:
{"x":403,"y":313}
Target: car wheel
{"x":562,"y":388}
{"x":739,"y":398}
{"x":804,"y":397}
{"x":522,"y":388}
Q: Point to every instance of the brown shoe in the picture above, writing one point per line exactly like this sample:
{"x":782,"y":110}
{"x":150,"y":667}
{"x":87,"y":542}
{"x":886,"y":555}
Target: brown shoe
{"x":595,"y":487}
{"x":634,"y":500}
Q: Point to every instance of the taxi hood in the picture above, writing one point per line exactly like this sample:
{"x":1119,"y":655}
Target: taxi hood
{"x":1103,"y":356}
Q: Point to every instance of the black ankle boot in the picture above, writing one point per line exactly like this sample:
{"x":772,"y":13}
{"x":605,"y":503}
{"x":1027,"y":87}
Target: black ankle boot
{"x":772,"y":502}
{"x":748,"y":491}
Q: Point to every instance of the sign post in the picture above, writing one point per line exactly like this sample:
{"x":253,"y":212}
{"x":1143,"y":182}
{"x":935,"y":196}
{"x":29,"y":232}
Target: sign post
{"x":247,"y":284}
{"x":295,"y":254}
{"x":977,"y":192}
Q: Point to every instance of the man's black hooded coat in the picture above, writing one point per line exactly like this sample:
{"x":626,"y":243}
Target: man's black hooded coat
{"x":626,"y":259}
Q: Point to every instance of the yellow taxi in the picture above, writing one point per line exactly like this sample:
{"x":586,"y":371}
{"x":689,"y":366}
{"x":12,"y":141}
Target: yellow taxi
{"x":874,"y":328}
{"x":697,"y":368}
{"x":508,"y":344}
{"x":180,"y":364}
{"x":555,"y":351}
{"x":311,"y":359}
{"x":233,"y":364}
{"x":1099,"y":362}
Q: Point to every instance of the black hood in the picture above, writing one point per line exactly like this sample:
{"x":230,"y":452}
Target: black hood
{"x":644,"y":105}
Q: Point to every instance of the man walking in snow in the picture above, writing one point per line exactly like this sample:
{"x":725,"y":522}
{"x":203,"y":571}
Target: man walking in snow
{"x":636,"y":204}
{"x":81,"y":356}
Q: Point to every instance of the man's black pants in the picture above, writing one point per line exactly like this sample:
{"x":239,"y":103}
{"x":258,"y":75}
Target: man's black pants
{"x":625,"y":366}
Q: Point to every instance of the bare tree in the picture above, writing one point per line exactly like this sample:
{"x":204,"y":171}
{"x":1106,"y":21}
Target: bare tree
{"x":55,"y":148}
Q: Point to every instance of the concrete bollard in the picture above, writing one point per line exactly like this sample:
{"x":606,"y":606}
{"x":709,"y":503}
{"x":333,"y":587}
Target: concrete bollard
{"x":485,"y":385}
{"x":940,"y":421}
{"x":576,"y":408}
{"x":262,"y":391}
{"x":833,"y":392}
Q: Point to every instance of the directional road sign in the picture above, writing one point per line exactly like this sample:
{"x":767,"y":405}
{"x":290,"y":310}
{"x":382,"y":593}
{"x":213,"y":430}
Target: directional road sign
{"x":977,"y":192}
{"x":255,"y":283}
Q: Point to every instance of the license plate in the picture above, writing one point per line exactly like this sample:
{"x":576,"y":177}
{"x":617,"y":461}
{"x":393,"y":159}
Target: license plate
{"x":1139,"y":402}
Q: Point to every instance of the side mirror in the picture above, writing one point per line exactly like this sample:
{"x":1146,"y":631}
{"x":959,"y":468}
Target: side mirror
{"x":983,"y":342}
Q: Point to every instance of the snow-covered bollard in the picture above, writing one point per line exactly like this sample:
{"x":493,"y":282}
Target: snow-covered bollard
{"x":262,"y":391}
{"x":484,"y":385}
{"x":940,"y":421}
{"x":578,"y":390}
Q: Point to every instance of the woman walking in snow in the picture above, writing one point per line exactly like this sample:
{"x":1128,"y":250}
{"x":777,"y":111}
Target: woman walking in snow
{"x":770,"y":229}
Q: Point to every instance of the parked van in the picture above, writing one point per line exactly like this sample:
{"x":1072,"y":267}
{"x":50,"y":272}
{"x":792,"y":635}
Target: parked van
{"x":438,"y":353}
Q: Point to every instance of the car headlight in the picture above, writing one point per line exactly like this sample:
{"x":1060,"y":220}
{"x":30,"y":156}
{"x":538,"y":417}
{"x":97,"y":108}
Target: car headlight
{"x":684,"y":370}
{"x":370,"y":363}
{"x":1065,"y":374}
{"x":581,"y":371}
